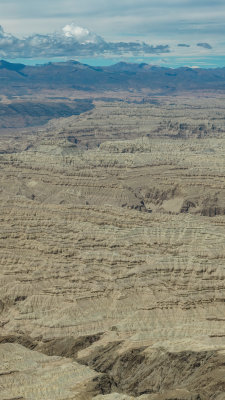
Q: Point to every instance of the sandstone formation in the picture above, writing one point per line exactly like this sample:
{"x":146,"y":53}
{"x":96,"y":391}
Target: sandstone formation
{"x":112,"y":255}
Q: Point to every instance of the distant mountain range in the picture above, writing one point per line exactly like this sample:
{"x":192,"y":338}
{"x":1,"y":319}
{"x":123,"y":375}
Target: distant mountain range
{"x":20,"y":78}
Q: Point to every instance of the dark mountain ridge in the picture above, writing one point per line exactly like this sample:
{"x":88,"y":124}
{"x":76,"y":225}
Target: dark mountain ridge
{"x":19,"y":78}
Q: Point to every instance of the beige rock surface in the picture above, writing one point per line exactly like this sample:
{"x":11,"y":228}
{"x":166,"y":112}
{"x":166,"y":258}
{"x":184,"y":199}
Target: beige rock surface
{"x":27,"y":374}
{"x":112,"y":257}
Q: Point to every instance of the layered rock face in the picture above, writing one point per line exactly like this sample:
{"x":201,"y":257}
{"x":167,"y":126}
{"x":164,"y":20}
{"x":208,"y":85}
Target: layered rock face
{"x":112,"y":255}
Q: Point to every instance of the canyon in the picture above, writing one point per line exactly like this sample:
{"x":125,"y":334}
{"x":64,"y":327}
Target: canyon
{"x":112,"y":278}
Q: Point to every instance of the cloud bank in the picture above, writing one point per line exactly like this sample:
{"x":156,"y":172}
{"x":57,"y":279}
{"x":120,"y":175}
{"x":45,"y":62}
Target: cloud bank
{"x":72,"y":41}
{"x":204,"y":45}
{"x":183,"y":45}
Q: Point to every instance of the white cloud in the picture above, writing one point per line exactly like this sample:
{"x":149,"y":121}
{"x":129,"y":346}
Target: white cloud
{"x":72,"y":41}
{"x":81,"y":35}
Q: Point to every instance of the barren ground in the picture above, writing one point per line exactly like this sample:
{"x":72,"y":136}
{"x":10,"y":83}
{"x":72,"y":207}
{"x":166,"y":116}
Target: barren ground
{"x":112,"y":279}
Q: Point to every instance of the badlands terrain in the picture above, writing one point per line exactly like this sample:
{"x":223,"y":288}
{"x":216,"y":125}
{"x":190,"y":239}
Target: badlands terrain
{"x":112,"y":278}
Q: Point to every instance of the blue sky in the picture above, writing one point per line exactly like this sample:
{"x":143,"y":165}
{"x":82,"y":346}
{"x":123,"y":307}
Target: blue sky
{"x":103,"y":31}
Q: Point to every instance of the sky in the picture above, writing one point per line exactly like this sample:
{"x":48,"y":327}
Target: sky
{"x":101,"y":32}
